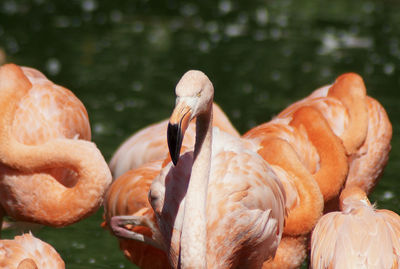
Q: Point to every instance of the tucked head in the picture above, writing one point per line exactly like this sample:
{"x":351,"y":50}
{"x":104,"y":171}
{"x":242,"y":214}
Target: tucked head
{"x":195,"y":94}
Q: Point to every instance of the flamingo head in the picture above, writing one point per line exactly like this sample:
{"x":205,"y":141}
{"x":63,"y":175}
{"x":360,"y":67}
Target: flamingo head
{"x":195,"y":94}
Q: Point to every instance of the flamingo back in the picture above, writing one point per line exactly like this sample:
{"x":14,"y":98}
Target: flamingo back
{"x":49,"y":111}
{"x":360,"y":237}
{"x":26,"y":246}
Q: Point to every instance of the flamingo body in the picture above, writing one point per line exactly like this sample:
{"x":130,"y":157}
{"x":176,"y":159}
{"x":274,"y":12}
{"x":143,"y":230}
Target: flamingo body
{"x":245,"y":202}
{"x":48,"y":111}
{"x":28,"y":252}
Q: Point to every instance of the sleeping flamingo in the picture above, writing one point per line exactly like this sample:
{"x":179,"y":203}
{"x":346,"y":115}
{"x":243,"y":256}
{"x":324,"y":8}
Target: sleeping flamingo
{"x":359,"y":121}
{"x":339,"y":134}
{"x":29,"y":252}
{"x":360,"y":236}
{"x":50,"y":174}
{"x":244,"y":213}
{"x":150,"y":144}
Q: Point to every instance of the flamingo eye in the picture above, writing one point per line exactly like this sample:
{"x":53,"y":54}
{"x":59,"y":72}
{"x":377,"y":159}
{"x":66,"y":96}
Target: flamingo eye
{"x":198,"y":94}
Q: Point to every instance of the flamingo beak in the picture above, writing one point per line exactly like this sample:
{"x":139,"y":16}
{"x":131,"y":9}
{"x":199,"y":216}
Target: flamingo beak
{"x":178,"y":123}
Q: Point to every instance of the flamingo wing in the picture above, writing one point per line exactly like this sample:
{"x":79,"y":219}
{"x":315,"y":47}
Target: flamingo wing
{"x":246,"y":205}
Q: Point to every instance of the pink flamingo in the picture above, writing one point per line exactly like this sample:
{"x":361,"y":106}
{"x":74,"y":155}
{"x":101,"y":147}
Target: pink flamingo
{"x":49,"y":173}
{"x":340,"y":135}
{"x":244,"y":213}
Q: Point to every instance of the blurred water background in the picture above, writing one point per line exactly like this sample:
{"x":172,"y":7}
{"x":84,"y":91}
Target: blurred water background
{"x":123,"y":59}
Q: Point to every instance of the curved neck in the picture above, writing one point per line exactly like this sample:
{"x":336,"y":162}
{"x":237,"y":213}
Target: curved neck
{"x":333,"y":161}
{"x":304,"y":214}
{"x":352,"y":197}
{"x":194,"y":229}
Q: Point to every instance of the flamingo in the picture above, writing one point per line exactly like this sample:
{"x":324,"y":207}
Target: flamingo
{"x":359,"y":121}
{"x":340,"y":136}
{"x":29,"y":252}
{"x":127,"y":195}
{"x":360,"y":236}
{"x":149,"y":144}
{"x":242,"y":221}
{"x":49,"y":173}
{"x":134,"y":165}
{"x":325,"y":129}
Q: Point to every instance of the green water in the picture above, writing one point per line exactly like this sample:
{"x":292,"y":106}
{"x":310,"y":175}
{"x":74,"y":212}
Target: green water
{"x":123,"y":59}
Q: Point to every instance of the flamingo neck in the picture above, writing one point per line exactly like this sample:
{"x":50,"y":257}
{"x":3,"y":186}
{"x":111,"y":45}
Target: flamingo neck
{"x":353,"y":197}
{"x":194,"y":230}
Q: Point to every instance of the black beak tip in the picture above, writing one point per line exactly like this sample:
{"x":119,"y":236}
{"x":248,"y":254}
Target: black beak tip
{"x":174,"y":138}
{"x":175,"y":160}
